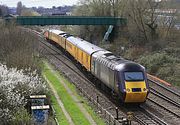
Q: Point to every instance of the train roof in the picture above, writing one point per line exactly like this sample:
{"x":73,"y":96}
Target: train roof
{"x":129,"y":66}
{"x":84,"y":45}
{"x":73,"y":40}
{"x":108,"y":59}
{"x":58,"y":32}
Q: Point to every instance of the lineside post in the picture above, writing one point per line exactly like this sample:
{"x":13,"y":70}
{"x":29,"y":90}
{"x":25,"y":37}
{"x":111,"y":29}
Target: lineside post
{"x":130,"y":117}
{"x":117,"y":114}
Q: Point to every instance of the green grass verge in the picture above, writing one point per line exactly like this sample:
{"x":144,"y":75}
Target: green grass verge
{"x":59,"y":113}
{"x":89,"y":109}
{"x":69,"y":104}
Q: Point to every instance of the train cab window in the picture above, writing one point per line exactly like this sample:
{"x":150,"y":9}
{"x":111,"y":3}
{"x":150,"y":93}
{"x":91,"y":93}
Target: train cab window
{"x":133,"y":76}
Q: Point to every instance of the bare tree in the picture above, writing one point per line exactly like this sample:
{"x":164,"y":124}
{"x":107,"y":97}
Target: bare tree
{"x":19,"y":8}
{"x":0,"y":12}
{"x":17,"y":47}
{"x":4,"y":10}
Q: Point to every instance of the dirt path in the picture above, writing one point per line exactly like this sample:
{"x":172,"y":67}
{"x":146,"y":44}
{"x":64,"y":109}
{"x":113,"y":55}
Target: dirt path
{"x":81,"y":107}
{"x":60,"y":102}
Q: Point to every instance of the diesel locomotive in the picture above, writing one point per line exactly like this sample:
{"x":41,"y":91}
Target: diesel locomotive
{"x":126,"y":78}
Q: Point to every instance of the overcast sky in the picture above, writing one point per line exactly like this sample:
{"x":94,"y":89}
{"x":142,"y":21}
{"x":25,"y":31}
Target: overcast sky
{"x":36,"y":3}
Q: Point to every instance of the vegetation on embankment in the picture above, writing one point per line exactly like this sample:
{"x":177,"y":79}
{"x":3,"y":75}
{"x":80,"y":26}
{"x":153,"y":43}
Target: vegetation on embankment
{"x":69,"y":104}
{"x":18,"y":47}
{"x":149,"y":37}
{"x":19,"y":74}
{"x":61,"y":119}
{"x":165,"y":64}
{"x":15,"y":87}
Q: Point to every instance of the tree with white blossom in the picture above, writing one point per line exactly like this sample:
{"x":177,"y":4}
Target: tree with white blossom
{"x":15,"y":87}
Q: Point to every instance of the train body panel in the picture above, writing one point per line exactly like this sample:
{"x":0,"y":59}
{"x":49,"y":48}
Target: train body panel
{"x":81,"y":56}
{"x":70,"y":48}
{"x":82,"y":52}
{"x":84,"y":58}
{"x":63,"y":42}
{"x":55,"y":35}
{"x":101,"y":71}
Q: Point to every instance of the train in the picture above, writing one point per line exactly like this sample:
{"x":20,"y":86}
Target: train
{"x":125,"y":78}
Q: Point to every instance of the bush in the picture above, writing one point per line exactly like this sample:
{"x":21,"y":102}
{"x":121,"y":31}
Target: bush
{"x":17,"y":47}
{"x":21,"y":117}
{"x":163,"y":65}
{"x":14,"y":88}
{"x":134,"y":52}
{"x":170,"y":73}
{"x":155,"y":61}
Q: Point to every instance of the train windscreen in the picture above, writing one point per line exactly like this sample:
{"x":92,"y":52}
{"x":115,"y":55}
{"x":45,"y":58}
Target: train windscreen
{"x":134,"y":76}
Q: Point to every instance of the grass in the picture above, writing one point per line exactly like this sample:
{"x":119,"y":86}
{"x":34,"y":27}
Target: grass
{"x":89,"y":109}
{"x":59,"y":113}
{"x":69,"y":104}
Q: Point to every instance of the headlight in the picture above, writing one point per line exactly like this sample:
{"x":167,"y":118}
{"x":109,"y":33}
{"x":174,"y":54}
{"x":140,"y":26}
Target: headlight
{"x":145,"y":89}
{"x":127,"y":90}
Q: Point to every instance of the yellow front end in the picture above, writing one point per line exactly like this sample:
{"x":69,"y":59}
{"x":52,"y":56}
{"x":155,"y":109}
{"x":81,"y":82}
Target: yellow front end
{"x":136,"y":91}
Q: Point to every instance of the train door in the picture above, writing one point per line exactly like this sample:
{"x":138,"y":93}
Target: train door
{"x":76,"y":53}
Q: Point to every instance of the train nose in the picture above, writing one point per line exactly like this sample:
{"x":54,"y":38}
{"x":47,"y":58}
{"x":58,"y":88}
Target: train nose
{"x":135,"y":96}
{"x":135,"y":91}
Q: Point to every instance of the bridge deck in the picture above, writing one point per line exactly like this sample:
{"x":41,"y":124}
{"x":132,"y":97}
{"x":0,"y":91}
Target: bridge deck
{"x":70,"y":20}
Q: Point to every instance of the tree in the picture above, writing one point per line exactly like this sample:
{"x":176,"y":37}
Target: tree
{"x":29,"y":12}
{"x":19,"y":8}
{"x":15,"y":87}
{"x":96,"y":8}
{"x":145,"y":25}
{"x":145,"y":22}
{"x":0,"y":12}
{"x":3,"y":10}
{"x":140,"y":16}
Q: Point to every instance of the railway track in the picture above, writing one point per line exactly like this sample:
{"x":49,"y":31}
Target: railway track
{"x":164,"y":90}
{"x":164,"y":103}
{"x":142,"y":115}
{"x":147,"y":118}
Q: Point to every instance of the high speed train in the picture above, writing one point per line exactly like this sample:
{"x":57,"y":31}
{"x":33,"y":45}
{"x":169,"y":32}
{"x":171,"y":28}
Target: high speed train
{"x":125,"y":78}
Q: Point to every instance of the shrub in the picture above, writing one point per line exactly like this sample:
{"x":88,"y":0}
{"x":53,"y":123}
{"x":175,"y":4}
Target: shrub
{"x":165,"y":65}
{"x":21,"y":117}
{"x":18,"y":47}
{"x":155,"y":61}
{"x":134,"y":52}
{"x":15,"y":86}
